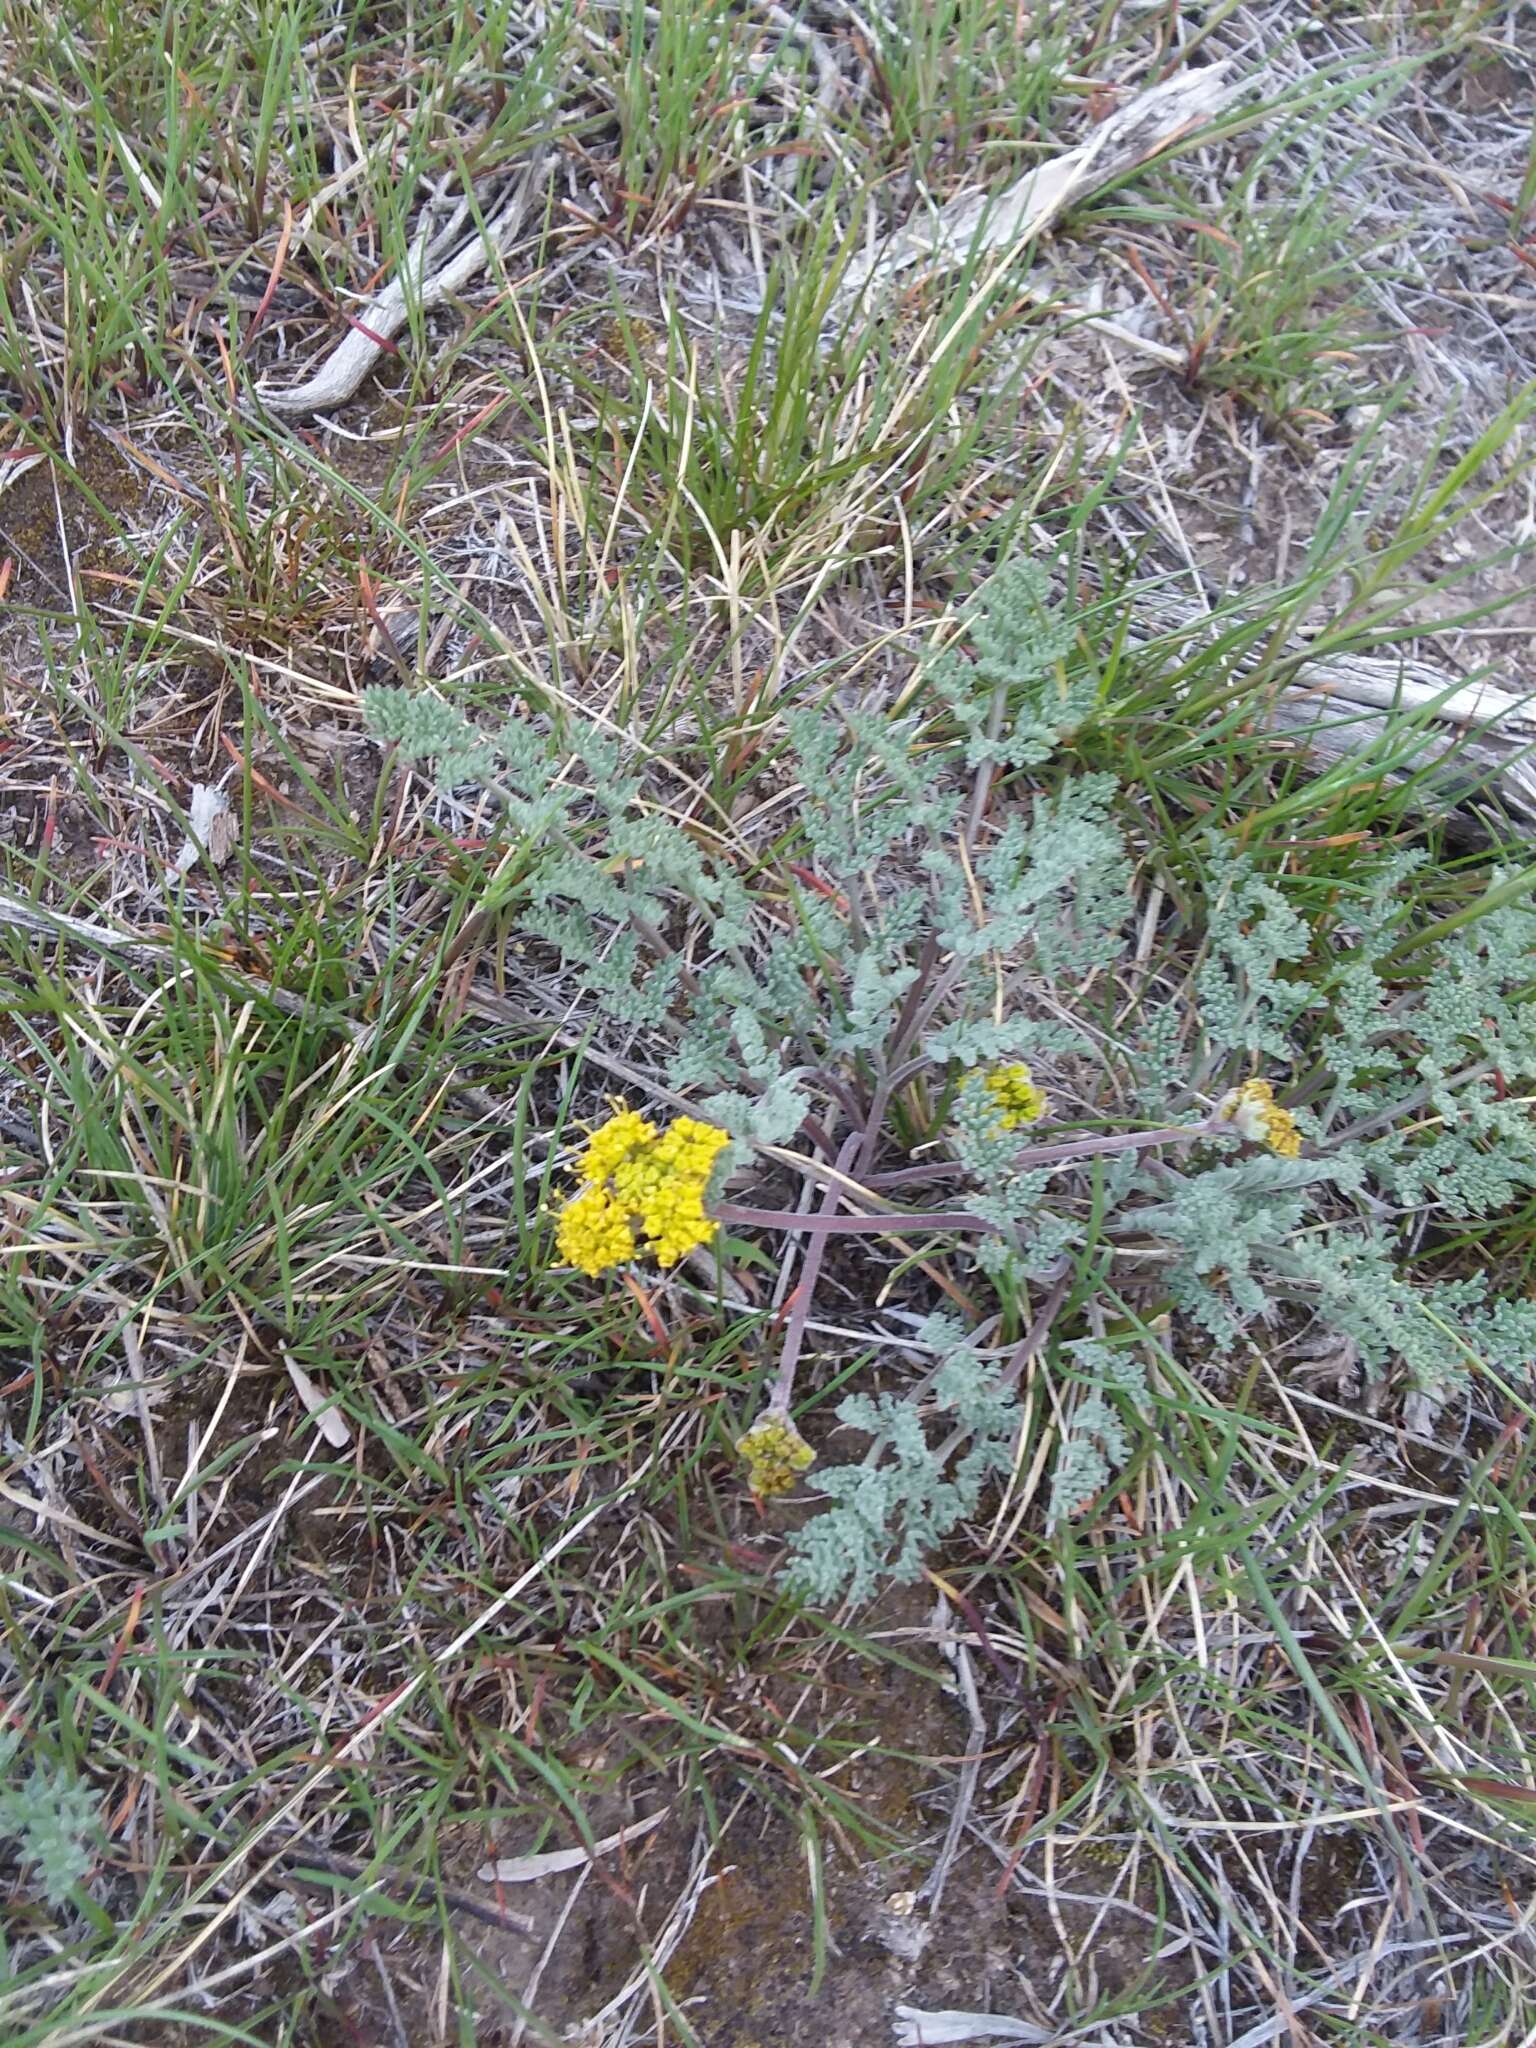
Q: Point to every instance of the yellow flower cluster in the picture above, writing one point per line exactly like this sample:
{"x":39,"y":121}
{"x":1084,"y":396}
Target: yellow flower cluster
{"x":1259,"y":1118}
{"x":1015,"y":1097}
{"x":593,"y":1233}
{"x":631,"y":1171}
{"x":776,"y":1454}
{"x":612,"y":1143}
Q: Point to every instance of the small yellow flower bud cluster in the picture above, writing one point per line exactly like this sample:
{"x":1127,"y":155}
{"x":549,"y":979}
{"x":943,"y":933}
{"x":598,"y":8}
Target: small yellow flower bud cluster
{"x":593,"y":1233}
{"x":1015,"y":1097}
{"x":1256,"y":1116}
{"x":776,"y":1454}
{"x":634,"y":1172}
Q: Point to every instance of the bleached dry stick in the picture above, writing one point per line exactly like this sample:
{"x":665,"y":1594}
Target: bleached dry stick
{"x":1481,"y":735}
{"x":438,"y":265}
{"x":1477,"y":731}
{"x":981,"y":222}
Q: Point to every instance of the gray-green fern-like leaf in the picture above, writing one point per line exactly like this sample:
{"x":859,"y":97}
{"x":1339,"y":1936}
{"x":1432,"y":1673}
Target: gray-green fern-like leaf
{"x":51,"y":1819}
{"x":1098,"y":1440}
{"x":894,"y":1506}
{"x":1009,"y":689}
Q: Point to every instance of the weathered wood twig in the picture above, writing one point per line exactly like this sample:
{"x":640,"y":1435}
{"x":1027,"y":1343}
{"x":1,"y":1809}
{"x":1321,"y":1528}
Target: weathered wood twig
{"x":1476,"y":733}
{"x":975,"y":223}
{"x":440,"y":263}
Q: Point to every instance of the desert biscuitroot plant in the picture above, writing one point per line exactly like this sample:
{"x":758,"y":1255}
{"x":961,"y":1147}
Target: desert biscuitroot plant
{"x":895,"y":1003}
{"x":47,"y":1819}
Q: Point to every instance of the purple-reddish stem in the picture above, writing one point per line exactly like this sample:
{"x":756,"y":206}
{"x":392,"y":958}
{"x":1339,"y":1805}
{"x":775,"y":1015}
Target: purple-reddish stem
{"x":849,"y":1226}
{"x":805,"y":1288}
{"x":1054,"y":1155}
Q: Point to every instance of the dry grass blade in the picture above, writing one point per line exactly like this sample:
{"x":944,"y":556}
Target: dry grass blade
{"x":529,"y":1869}
{"x":916,"y":2028}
